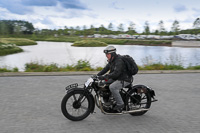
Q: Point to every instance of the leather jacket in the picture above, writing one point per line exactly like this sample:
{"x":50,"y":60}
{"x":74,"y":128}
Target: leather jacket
{"x":117,"y":70}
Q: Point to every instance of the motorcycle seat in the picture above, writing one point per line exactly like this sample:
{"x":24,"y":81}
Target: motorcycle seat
{"x":128,"y":86}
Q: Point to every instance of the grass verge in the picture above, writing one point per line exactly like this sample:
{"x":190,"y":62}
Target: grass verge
{"x":18,"y":41}
{"x":5,"y":69}
{"x":89,"y":43}
{"x":105,"y":40}
{"x":6,"y":49}
{"x":10,"y":45}
{"x":82,"y":65}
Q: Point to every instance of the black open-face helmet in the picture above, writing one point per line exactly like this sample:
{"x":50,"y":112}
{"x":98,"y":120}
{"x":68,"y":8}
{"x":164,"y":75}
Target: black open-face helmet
{"x":109,"y":50}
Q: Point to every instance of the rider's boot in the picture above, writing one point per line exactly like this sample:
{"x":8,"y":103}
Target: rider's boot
{"x":119,"y":108}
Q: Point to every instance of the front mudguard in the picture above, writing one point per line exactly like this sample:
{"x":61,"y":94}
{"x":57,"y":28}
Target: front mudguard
{"x":87,"y":93}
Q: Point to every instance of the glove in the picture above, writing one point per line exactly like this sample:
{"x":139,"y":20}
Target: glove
{"x":94,"y":76}
{"x":101,"y":77}
{"x":105,"y":77}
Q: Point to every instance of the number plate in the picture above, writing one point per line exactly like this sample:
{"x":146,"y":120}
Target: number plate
{"x":71,"y":86}
{"x":90,"y":80}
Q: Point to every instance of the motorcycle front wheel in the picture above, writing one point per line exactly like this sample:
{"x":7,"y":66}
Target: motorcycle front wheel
{"x":76,"y":105}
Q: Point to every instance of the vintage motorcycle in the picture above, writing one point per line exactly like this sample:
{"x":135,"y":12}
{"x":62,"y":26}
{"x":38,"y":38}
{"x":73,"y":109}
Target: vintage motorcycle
{"x":79,"y":102}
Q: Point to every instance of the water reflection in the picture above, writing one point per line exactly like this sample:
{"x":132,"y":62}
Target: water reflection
{"x":62,"y":53}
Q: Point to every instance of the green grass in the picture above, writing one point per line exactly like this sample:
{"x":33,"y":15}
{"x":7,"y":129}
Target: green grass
{"x":54,"y":39}
{"x":6,"y":49}
{"x":105,"y":40}
{"x":10,"y":45}
{"x":111,"y":41}
{"x":89,"y":43}
{"x":149,"y":42}
{"x":159,"y":66}
{"x":194,"y":67}
{"x":5,"y":69}
{"x":18,"y":41}
{"x":85,"y":66}
{"x":135,"y":42}
{"x":81,"y":65}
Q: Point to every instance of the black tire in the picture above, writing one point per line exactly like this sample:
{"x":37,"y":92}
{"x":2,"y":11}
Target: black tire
{"x":144,"y":102}
{"x":76,"y":105}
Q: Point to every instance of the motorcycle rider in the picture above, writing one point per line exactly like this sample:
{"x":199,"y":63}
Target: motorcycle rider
{"x":118,"y":75}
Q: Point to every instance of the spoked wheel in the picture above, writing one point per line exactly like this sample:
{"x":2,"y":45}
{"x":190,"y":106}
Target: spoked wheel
{"x":138,"y":101}
{"x":76,"y":105}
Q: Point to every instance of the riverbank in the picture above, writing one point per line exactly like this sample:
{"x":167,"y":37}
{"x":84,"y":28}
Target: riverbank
{"x":147,"y":42}
{"x":18,"y":41}
{"x":10,"y":45}
{"x":105,"y":40}
{"x":89,"y":43}
{"x":6,"y":49}
{"x":186,"y":44}
{"x":7,"y":74}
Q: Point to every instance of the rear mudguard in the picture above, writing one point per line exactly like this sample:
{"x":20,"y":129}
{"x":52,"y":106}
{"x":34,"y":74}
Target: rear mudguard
{"x":142,"y":88}
{"x":87,"y":93}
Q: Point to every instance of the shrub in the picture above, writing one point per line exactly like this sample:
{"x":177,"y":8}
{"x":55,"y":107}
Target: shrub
{"x":4,"y":70}
{"x":33,"y":67}
{"x":9,"y":70}
{"x":194,"y":67}
{"x":160,"y":66}
{"x":173,"y":67}
{"x":18,"y":41}
{"x":89,"y":43}
{"x":6,"y":49}
{"x":83,"y":66}
{"x":9,"y":45}
{"x":112,"y":41}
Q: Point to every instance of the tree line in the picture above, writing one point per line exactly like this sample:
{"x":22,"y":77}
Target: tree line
{"x":17,"y":27}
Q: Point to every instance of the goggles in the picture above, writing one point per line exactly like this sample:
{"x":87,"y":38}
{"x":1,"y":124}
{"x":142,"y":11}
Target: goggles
{"x":109,"y":51}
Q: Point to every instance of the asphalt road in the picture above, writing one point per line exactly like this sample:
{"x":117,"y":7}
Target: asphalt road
{"x":31,"y":104}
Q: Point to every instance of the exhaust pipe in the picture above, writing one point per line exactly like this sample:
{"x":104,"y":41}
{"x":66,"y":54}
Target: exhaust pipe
{"x":154,"y":100}
{"x":123,"y":112}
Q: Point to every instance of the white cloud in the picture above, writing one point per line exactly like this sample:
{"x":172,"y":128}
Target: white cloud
{"x":25,"y":6}
{"x":60,"y":13}
{"x":180,"y":8}
{"x":115,"y":5}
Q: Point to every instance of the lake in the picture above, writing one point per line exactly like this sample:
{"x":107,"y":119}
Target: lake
{"x":63,"y":53}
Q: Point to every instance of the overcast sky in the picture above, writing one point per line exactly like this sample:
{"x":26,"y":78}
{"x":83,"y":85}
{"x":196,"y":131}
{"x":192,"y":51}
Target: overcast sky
{"x":55,"y":14}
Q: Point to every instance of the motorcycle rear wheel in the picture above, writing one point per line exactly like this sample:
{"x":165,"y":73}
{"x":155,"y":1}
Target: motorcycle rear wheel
{"x":76,"y":105}
{"x":143,"y":102}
